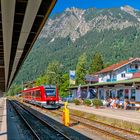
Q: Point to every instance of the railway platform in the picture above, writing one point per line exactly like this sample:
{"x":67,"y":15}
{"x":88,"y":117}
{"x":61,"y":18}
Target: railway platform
{"x":12,"y":128}
{"x":3,"y":119}
{"x":128,"y":117}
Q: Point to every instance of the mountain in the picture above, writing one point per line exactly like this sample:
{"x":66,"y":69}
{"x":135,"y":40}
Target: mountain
{"x":114,"y":32}
{"x":76,"y":22}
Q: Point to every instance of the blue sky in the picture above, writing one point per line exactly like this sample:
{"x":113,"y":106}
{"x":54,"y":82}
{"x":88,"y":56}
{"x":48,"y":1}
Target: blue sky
{"x":61,"y":5}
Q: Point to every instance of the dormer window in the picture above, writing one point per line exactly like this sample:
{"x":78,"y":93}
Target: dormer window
{"x":123,"y":75}
{"x":136,"y":66}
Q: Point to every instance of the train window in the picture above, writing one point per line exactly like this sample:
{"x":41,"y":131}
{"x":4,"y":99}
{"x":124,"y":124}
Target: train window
{"x":26,"y":94}
{"x":33,"y":93}
{"x":37,"y":93}
{"x":50,"y":91}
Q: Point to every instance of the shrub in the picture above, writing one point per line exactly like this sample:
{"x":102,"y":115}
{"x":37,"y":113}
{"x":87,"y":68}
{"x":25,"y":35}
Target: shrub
{"x":76,"y":101}
{"x":87,"y":102}
{"x":97,"y":102}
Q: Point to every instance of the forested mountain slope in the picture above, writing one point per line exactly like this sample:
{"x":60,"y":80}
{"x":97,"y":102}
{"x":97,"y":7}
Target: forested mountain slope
{"x":115,"y":33}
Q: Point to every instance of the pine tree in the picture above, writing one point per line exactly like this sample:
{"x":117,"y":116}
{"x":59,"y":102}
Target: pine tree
{"x":41,"y":80}
{"x":81,"y":69}
{"x":97,"y":63}
{"x":54,"y":73}
{"x":14,"y":89}
{"x":64,"y":85}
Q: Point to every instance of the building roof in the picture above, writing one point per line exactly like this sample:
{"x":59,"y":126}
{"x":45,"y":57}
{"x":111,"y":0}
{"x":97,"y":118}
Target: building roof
{"x":130,"y":81}
{"x":118,"y":65}
{"x":91,"y":78}
{"x":136,"y":75}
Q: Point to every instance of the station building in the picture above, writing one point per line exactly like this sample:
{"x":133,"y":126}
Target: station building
{"x":118,"y":80}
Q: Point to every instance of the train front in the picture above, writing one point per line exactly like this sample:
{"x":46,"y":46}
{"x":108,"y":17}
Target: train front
{"x":52,"y":98}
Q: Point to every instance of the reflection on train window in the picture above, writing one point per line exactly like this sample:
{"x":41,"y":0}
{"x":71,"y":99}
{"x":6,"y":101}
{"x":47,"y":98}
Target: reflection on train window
{"x":33,"y":93}
{"x":50,"y":92}
{"x":38,"y":93}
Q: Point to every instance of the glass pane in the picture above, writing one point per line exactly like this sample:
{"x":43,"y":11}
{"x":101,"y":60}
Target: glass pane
{"x":50,"y":92}
{"x":133,"y":94}
{"x":38,"y":94}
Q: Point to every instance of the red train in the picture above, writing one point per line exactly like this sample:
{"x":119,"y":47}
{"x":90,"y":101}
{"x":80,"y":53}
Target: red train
{"x":44,"y":96}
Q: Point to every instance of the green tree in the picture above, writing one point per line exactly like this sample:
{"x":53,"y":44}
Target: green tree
{"x":54,"y":73}
{"x":41,"y":80}
{"x":64,"y":85}
{"x":14,"y":89}
{"x":97,"y":63}
{"x":81,"y":69}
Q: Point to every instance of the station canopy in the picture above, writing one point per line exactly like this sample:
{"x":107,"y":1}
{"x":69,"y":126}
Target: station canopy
{"x":20,"y":24}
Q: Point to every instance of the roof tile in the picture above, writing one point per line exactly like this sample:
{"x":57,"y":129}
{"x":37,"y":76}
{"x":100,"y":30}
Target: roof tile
{"x":117,"y":65}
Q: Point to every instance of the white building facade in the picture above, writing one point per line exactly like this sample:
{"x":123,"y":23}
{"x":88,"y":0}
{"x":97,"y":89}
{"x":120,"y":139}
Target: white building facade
{"x":117,"y":72}
{"x":120,"y":71}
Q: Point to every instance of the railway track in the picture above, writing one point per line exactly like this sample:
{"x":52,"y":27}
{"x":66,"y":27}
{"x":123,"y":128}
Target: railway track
{"x":40,"y":129}
{"x":104,"y":128}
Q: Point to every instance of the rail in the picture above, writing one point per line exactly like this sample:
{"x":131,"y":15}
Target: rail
{"x":116,"y":132}
{"x":39,"y":128}
{"x":113,"y":131}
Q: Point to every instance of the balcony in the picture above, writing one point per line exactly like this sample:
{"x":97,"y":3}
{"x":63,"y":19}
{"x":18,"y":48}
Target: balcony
{"x":111,"y":80}
{"x":132,"y":70}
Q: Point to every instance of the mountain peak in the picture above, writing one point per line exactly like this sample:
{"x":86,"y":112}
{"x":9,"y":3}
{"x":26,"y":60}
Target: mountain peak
{"x":128,"y":8}
{"x":75,"y":23}
{"x":73,"y":9}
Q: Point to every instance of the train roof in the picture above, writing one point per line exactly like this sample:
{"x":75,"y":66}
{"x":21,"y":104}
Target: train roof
{"x":50,"y":86}
{"x":38,"y":87}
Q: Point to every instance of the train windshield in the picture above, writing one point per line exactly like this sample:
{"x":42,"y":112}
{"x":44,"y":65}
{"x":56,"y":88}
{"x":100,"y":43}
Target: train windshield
{"x":50,"y":91}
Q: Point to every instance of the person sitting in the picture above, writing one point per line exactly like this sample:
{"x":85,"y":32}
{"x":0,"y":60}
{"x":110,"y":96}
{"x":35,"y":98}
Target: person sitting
{"x":121,"y":103}
{"x":113,"y":103}
{"x":117,"y":102}
{"x":126,"y":103}
{"x":109,"y":100}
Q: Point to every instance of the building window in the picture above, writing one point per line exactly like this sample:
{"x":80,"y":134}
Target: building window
{"x":101,"y":94}
{"x":112,"y":93}
{"x":123,"y":75}
{"x":133,"y":94}
{"x":107,"y":94}
{"x":126,"y":94}
{"x":120,"y":94}
{"x":136,"y":66}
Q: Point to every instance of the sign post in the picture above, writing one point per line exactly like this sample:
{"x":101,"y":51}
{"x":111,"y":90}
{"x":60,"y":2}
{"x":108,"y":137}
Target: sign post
{"x":72,"y":77}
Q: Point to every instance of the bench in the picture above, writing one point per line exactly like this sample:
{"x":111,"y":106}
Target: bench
{"x":136,"y":107}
